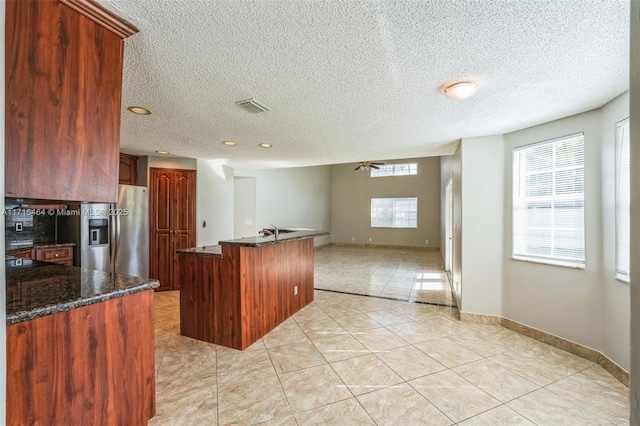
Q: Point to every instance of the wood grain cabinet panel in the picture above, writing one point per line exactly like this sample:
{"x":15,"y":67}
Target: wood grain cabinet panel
{"x":63,"y":87}
{"x":92,"y":365}
{"x":173,"y":215}
{"x":128,"y":174}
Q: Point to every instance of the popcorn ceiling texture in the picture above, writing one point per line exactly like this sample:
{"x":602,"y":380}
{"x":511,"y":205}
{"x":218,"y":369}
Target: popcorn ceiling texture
{"x":350,"y":81}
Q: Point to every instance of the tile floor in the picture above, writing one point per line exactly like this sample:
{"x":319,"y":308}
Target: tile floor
{"x":415,"y":275}
{"x":351,"y":360}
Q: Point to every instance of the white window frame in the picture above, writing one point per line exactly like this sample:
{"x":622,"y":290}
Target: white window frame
{"x":520,"y":200}
{"x":404,"y":169}
{"x":623,"y":200}
{"x":394,"y":200}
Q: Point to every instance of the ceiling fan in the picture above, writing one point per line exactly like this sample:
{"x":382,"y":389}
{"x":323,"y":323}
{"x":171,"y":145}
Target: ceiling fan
{"x":367,"y":165}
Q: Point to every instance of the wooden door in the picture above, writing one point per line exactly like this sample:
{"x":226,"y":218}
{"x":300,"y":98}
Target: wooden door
{"x":172,"y":224}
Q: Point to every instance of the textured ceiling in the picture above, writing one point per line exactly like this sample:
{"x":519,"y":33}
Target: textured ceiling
{"x":358,"y":80}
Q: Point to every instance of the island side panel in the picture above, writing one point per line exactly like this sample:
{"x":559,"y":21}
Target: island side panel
{"x":268,"y":277}
{"x":198,"y":276}
{"x":227,"y":295}
{"x":90,"y":365}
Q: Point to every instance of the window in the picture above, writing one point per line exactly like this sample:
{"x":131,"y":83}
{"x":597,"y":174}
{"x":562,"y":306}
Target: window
{"x":395,"y":170}
{"x":623,"y":201}
{"x":548,"y":202}
{"x":394,"y":212}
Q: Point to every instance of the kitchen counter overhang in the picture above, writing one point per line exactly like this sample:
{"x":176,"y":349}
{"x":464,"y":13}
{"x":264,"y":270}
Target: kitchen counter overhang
{"x":35,"y":289}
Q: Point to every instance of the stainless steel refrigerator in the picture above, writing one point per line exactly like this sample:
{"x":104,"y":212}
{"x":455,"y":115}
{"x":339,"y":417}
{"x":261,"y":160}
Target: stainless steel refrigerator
{"x":110,"y":237}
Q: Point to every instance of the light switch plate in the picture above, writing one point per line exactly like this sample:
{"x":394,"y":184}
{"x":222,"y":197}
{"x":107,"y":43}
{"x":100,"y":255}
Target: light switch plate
{"x":248,"y":222}
{"x":18,"y":226}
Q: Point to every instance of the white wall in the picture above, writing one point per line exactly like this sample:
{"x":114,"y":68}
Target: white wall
{"x":3,"y":304}
{"x":214,"y":203}
{"x":635,"y":207}
{"x":482,"y":224}
{"x":351,"y":193}
{"x":567,"y":302}
{"x":616,"y":310}
{"x":244,"y":209}
{"x":296,"y":197}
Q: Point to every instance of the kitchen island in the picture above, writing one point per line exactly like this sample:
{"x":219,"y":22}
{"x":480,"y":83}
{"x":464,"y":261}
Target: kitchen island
{"x":234,"y":293}
{"x":80,"y":346}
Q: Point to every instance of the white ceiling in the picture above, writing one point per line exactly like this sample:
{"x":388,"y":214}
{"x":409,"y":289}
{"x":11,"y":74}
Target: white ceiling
{"x":350,"y":81}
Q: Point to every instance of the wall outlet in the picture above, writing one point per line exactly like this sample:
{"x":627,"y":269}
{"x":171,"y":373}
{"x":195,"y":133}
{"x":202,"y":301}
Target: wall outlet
{"x":18,"y":226}
{"x":370,"y":239}
{"x":426,"y":241}
{"x":353,"y":238}
{"x":295,"y":291}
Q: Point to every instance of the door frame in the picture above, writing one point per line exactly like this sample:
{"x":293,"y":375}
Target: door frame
{"x":448,"y":227}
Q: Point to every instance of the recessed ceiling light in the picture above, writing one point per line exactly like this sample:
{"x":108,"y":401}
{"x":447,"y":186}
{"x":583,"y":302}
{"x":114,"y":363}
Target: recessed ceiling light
{"x":460,"y":90}
{"x":229,"y":143}
{"x":163,"y":152}
{"x":265,"y":145}
{"x":139,"y":110}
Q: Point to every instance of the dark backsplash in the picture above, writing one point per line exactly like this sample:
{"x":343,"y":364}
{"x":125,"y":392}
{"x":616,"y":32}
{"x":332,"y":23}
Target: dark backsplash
{"x":40,"y":228}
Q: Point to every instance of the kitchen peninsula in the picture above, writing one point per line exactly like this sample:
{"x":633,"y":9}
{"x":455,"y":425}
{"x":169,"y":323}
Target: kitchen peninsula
{"x":234,"y":293}
{"x":80,"y":346}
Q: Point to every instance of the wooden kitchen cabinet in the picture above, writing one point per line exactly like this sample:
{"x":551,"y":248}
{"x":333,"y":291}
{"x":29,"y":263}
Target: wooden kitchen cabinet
{"x":172,"y":195}
{"x":61,"y":255}
{"x":128,"y":174}
{"x":63,"y":86}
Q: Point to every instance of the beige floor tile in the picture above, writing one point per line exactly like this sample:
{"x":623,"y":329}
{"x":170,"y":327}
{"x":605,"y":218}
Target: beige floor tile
{"x":545,"y":408}
{"x":563,"y":360}
{"x":602,"y":377}
{"x":287,"y":333}
{"x":609,"y":403}
{"x":244,"y":366}
{"x":313,"y":387}
{"x":339,"y":347}
{"x":252,"y":402}
{"x":388,"y":318}
{"x":357,"y":322}
{"x":447,"y":352}
{"x":281,"y":421}
{"x":326,"y":327}
{"x":294,"y":357}
{"x":379,"y":339}
{"x":455,"y":397}
{"x":495,"y":380}
{"x":348,"y":412}
{"x":530,"y":367}
{"x":409,"y":362}
{"x":401,"y":405}
{"x":338,"y":310}
{"x":193,"y":404}
{"x":310,"y":312}
{"x":377,"y":376}
{"x":501,"y":415}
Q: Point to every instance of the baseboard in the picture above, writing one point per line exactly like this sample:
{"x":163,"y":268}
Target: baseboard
{"x":566,"y":345}
{"x":386,"y":246}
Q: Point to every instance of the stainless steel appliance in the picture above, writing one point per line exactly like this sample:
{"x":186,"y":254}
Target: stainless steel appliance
{"x":110,"y":237}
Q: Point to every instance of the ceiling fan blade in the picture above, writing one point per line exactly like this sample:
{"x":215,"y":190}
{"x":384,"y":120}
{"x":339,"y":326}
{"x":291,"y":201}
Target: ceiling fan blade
{"x":379,"y":164}
{"x":358,"y":168}
{"x":373,"y":166}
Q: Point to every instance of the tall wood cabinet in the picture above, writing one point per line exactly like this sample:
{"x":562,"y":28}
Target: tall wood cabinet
{"x":128,"y":174}
{"x":172,"y":195}
{"x":63,"y":84}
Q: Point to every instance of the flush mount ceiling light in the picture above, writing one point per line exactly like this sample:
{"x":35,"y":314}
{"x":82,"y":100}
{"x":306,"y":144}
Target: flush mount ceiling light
{"x":229,"y":143}
{"x":265,"y":145}
{"x":459,"y":91}
{"x":139,"y":110}
{"x":163,"y":152}
{"x":252,"y":105}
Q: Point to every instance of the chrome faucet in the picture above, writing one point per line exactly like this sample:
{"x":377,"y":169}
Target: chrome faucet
{"x":265,"y":232}
{"x":275,"y":230}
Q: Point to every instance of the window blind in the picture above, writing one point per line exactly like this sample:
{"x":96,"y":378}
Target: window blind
{"x":394,"y":212}
{"x":548,"y":201}
{"x":623,"y":200}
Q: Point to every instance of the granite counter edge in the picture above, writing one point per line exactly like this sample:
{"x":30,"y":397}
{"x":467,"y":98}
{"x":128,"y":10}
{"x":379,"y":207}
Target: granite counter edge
{"x":18,"y":317}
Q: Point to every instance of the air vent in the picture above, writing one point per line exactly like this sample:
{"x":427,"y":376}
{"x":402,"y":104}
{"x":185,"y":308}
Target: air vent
{"x":252,"y":105}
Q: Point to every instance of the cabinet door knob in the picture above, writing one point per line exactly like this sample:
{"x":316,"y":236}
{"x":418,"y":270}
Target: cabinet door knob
{"x":56,"y":255}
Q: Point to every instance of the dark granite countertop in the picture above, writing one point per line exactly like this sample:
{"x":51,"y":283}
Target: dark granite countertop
{"x":284,"y":237}
{"x":209,"y":251}
{"x":12,"y":248}
{"x":36,"y":289}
